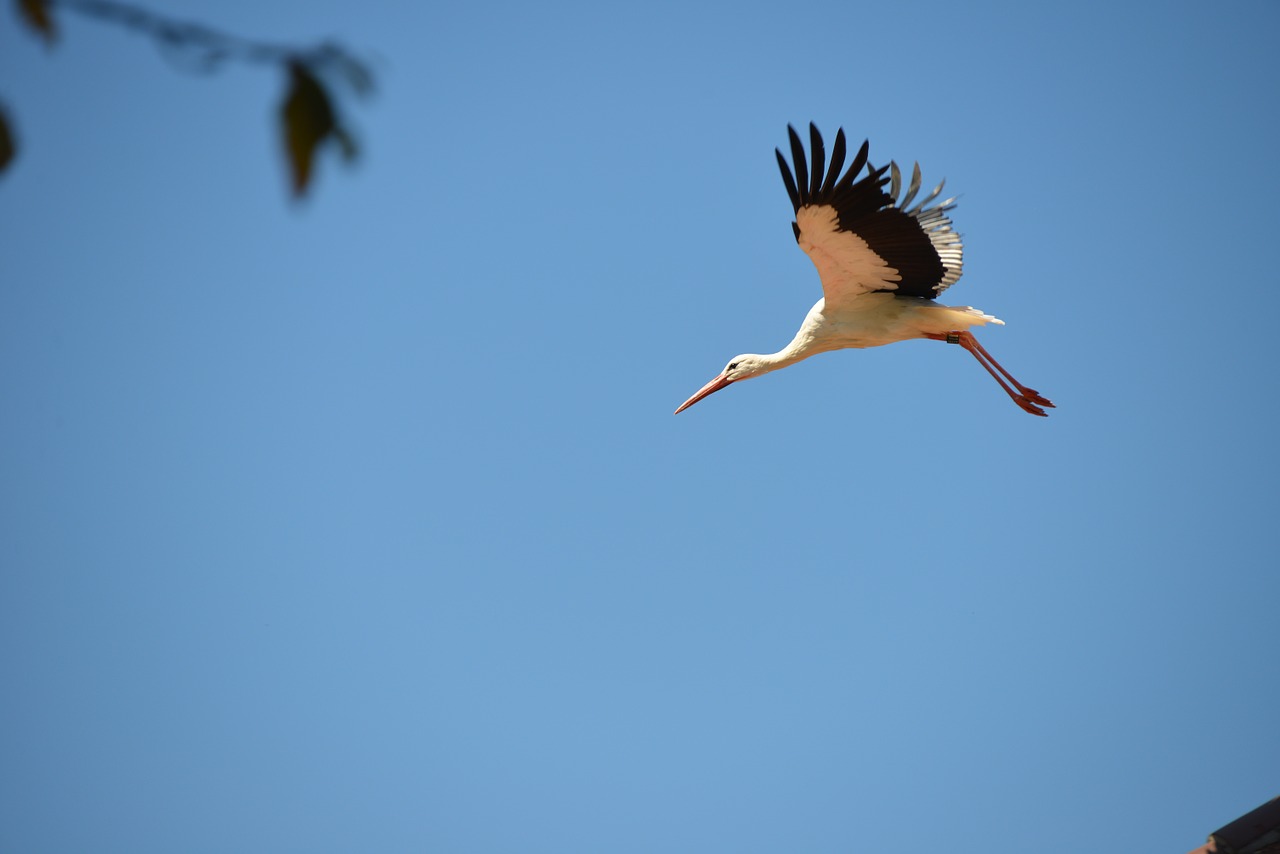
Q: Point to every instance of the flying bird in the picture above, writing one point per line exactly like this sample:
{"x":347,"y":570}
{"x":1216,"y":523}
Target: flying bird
{"x":882,"y":263}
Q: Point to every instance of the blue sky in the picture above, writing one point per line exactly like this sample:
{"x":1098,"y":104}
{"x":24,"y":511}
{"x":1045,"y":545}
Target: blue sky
{"x":363,"y":524}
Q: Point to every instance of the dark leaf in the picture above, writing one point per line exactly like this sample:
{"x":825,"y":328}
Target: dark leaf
{"x":308,"y":120}
{"x":7,"y":147}
{"x":36,"y":14}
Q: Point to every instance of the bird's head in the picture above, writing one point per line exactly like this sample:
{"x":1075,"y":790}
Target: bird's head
{"x":742,"y":367}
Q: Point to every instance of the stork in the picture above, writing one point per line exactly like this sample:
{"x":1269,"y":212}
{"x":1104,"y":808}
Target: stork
{"x":882,"y":263}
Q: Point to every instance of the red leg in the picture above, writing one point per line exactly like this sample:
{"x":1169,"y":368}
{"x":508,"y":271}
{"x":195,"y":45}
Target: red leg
{"x":977,"y":349}
{"x":1028,"y":398}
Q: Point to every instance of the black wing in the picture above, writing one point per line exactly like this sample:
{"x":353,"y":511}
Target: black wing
{"x":861,"y":238}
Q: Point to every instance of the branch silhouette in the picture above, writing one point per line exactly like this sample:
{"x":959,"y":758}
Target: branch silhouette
{"x":309,"y":118}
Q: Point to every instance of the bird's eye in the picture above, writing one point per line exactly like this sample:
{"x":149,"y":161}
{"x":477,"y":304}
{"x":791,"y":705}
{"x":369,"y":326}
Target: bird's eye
{"x":732,"y":366}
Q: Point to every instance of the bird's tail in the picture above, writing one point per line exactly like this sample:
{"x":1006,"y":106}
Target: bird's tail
{"x":964,"y":316}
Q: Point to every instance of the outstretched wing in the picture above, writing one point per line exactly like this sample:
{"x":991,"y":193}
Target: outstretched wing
{"x":861,"y":238}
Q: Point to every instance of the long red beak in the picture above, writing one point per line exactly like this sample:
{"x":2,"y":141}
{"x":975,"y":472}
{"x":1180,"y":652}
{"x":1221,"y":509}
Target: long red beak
{"x":711,"y":387}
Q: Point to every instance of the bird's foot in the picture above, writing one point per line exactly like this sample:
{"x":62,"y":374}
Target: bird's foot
{"x":1036,"y":397}
{"x":1031,"y":407}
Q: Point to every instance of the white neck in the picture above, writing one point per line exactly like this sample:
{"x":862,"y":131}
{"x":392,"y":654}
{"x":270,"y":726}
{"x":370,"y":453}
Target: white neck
{"x":802,"y":346}
{"x":806,"y":343}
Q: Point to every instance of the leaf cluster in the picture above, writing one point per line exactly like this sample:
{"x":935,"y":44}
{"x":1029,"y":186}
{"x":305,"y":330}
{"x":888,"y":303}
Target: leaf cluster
{"x":308,"y":113}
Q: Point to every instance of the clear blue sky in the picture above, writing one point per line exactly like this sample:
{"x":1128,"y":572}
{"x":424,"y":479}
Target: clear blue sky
{"x":365,"y":525}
